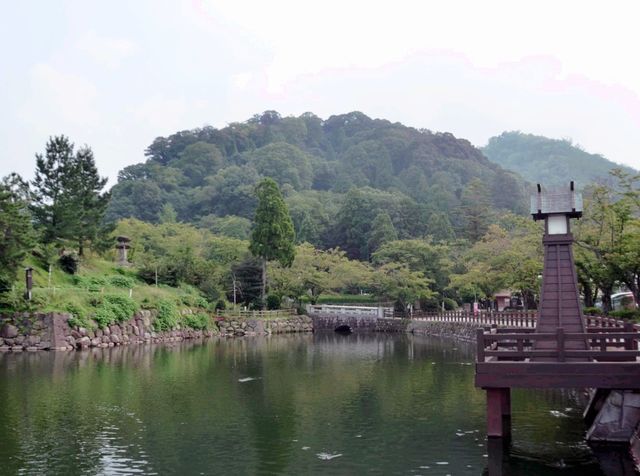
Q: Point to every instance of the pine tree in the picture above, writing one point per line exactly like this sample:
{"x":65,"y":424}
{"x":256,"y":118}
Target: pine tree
{"x":53,"y":171}
{"x":273,"y":236}
{"x":475,"y":208}
{"x":68,"y":199}
{"x":85,"y":197}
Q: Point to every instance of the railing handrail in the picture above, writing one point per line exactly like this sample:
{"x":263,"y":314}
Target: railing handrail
{"x":599,"y":346}
{"x":523,"y":319}
{"x":241,"y":313}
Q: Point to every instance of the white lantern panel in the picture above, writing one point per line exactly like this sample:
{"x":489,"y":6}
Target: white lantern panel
{"x":557,"y":224}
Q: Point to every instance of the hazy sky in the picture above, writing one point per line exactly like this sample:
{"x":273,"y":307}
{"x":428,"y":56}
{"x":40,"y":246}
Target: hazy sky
{"x":117,"y":74}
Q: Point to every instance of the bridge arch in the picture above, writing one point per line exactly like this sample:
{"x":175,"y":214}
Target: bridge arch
{"x":343,"y":329}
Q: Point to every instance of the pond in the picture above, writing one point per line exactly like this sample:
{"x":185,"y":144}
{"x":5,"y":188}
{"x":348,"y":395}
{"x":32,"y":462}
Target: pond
{"x":291,"y":404}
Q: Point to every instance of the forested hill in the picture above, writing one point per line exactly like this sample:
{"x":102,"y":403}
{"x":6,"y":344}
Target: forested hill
{"x":349,"y":181}
{"x":550,"y":162}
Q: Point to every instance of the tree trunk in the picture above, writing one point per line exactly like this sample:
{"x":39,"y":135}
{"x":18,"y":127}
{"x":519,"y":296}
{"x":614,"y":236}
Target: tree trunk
{"x":634,"y":287}
{"x":588,"y":294}
{"x":528,"y":299}
{"x":263,"y":291}
{"x":606,"y":299}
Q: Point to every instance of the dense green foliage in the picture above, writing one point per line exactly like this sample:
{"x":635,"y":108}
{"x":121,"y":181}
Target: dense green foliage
{"x":168,"y":316}
{"x":608,"y":239}
{"x":348,"y":166}
{"x":16,"y":233}
{"x":344,"y":210}
{"x":273,"y":236}
{"x":67,"y":190}
{"x":549,"y":161}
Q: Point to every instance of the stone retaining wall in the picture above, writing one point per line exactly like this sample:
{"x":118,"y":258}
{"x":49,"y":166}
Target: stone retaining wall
{"x":356,"y":323}
{"x":51,"y":331}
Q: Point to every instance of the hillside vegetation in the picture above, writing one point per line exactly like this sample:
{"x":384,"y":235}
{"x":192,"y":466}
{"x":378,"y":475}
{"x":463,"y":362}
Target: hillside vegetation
{"x":550,"y":162}
{"x":357,"y":210}
{"x":346,"y":180}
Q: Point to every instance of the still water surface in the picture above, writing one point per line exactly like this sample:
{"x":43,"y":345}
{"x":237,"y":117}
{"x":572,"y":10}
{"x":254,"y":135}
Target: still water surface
{"x":299,"y":404}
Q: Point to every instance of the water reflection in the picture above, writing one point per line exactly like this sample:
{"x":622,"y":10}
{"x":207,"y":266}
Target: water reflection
{"x":293,"y":404}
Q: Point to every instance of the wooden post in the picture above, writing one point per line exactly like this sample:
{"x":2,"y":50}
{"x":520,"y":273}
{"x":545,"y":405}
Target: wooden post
{"x":480,"y":344}
{"x":560,"y":343}
{"x":494,"y":413}
{"x":505,"y":400}
{"x":628,"y":341}
{"x":498,"y":412}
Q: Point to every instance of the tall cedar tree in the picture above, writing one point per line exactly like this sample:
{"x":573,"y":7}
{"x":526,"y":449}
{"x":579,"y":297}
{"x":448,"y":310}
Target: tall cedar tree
{"x":273,"y":236}
{"x":68,"y":203}
{"x":475,"y":208}
{"x":16,"y":234}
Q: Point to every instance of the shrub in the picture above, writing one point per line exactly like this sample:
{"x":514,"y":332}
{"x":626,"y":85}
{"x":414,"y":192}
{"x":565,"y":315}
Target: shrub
{"x":104,"y":316}
{"x":168,"y":316}
{"x":193,"y":300}
{"x":120,"y":281}
{"x":113,"y":308}
{"x":221,"y":305}
{"x":273,"y":301}
{"x":198,"y":321}
{"x":631,"y":314}
{"x":14,"y":300}
{"x":450,"y":304}
{"x":69,"y":263}
{"x":91,"y":283}
{"x":123,"y":307}
{"x":79,"y":315}
{"x":592,"y":311}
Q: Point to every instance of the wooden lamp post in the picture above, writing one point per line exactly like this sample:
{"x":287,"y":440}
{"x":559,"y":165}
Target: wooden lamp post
{"x":560,"y":309}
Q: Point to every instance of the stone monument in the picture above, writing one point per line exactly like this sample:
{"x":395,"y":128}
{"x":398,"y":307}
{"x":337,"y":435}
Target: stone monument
{"x":122,"y":246}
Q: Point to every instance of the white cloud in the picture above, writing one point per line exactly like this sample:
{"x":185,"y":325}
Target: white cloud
{"x":106,"y":51}
{"x":57,"y":98}
{"x":587,"y":37}
{"x":161,"y":114}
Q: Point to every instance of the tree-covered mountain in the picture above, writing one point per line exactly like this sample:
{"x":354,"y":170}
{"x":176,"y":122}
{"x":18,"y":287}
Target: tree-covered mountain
{"x":551,"y":162}
{"x":349,"y":181}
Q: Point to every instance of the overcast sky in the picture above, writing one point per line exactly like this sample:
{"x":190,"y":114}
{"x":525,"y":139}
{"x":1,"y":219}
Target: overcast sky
{"x":117,"y":74}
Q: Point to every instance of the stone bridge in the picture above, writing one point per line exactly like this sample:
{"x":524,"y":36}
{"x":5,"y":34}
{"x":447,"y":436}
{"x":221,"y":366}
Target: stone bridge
{"x":346,"y":318}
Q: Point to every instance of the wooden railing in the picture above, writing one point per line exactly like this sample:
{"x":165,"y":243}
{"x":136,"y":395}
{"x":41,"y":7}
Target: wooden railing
{"x":603,"y":344}
{"x":520,"y":319}
{"x":241,"y":314}
{"x":507,"y":320}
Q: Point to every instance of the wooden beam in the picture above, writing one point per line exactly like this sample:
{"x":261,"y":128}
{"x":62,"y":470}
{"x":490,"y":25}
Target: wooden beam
{"x":621,"y":375}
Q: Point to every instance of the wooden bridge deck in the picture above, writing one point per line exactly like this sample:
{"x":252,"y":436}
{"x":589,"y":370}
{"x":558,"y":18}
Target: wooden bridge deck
{"x":609,"y":357}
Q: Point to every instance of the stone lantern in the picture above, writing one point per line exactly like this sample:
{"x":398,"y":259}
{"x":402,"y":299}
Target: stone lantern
{"x":122,"y":246}
{"x":559,"y":300}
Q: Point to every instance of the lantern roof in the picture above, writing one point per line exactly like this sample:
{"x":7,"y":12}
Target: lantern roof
{"x":556,"y":202}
